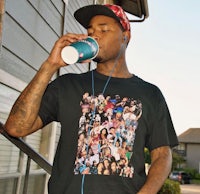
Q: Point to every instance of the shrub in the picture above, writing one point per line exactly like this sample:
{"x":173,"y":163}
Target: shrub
{"x":197,"y":176}
{"x":192,"y":172}
{"x":170,"y":187}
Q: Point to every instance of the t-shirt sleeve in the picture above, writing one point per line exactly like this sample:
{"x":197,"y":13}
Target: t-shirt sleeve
{"x":49,"y":105}
{"x":161,"y":131}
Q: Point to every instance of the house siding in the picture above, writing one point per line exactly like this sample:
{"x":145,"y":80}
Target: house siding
{"x":28,"y":31}
{"x":193,"y":156}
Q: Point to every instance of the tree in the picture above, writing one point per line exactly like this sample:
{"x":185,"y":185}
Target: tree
{"x":177,"y":160}
{"x":147,"y":156}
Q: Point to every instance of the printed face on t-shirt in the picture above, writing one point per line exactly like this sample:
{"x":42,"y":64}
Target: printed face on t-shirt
{"x":106,"y":135}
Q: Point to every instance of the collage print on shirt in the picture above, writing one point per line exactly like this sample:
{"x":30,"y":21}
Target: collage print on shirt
{"x":106,"y":135}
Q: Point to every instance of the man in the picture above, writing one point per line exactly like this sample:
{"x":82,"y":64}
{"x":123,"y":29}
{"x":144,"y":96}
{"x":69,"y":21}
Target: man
{"x":81,"y":142}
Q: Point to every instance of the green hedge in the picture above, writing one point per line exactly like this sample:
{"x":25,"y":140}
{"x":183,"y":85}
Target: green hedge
{"x":170,"y":187}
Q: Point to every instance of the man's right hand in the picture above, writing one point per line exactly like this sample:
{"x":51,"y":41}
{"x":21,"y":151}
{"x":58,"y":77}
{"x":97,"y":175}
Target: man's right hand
{"x":55,"y":55}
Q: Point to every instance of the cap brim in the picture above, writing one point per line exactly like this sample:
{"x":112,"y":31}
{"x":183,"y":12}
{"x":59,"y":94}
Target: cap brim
{"x":85,"y":14}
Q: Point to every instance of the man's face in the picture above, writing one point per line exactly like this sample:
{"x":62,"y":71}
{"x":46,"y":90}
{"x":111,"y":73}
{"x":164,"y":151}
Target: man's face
{"x":109,"y":36}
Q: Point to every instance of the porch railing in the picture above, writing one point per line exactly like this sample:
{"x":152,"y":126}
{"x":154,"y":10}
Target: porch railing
{"x":32,"y":155}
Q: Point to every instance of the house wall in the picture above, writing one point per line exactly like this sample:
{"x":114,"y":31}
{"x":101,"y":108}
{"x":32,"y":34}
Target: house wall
{"x":28,"y":30}
{"x":193,"y":156}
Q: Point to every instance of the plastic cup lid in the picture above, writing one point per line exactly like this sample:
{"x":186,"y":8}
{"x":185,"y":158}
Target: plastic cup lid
{"x":69,"y":55}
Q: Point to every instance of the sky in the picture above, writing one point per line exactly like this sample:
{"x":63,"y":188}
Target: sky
{"x":165,"y":50}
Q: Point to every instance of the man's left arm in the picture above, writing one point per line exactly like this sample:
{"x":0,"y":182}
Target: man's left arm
{"x":161,"y":161}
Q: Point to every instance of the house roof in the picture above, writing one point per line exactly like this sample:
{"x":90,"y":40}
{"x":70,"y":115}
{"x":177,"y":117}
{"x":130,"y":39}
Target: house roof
{"x":192,"y":135}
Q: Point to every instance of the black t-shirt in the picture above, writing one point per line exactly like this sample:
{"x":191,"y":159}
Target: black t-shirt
{"x":105,"y":125}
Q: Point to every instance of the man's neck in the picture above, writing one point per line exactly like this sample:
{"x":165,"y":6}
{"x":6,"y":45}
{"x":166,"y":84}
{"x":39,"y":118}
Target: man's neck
{"x":119,"y":69}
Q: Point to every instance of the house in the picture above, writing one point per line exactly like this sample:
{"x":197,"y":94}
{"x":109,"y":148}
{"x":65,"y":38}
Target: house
{"x":28,"y":31}
{"x":189,"y":146}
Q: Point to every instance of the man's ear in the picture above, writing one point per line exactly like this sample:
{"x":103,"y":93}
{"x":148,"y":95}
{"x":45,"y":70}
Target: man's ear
{"x":126,"y":36}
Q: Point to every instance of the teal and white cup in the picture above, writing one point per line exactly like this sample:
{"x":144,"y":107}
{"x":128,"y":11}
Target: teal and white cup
{"x":80,"y":51}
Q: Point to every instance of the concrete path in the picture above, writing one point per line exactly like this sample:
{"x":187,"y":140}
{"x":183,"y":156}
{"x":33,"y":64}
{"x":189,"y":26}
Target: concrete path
{"x":190,"y":189}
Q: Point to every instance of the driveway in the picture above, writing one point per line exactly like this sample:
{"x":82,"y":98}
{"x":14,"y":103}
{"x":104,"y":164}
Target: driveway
{"x":190,"y":189}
